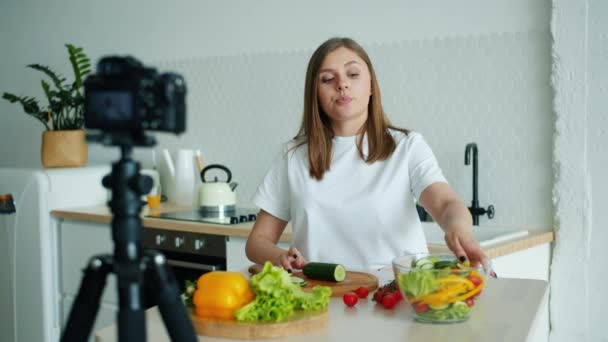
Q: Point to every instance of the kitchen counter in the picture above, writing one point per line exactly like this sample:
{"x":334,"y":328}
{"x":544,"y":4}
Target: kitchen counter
{"x":102,"y":214}
{"x":509,"y":310}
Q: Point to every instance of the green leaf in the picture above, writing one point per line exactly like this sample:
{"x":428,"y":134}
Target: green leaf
{"x":30,"y":106}
{"x":418,"y":282}
{"x":55,"y":77}
{"x":80,"y":64}
{"x":276,"y":297}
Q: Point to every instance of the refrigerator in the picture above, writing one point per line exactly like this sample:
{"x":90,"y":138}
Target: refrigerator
{"x":30,"y":298}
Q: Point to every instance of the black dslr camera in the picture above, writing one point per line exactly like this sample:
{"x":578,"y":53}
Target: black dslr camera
{"x":126,"y":96}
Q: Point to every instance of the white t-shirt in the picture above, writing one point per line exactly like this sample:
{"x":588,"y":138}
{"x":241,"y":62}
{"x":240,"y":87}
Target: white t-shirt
{"x":358,"y":215}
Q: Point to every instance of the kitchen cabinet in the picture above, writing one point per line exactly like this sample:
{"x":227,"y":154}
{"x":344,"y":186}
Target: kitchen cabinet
{"x":78,"y":242}
{"x":531,"y":263}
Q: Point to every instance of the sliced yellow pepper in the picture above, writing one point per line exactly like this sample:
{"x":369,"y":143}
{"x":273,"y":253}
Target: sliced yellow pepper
{"x":219,"y":294}
{"x":470,"y":293}
{"x":451,"y":287}
{"x":456,"y":279}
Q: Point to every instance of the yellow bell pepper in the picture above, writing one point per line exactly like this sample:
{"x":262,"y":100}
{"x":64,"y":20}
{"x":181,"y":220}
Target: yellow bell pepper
{"x":452,"y":279}
{"x":220,"y":293}
{"x":470,"y":293}
{"x":451,"y":287}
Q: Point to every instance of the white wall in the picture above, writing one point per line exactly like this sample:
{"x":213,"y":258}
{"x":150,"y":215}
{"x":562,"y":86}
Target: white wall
{"x":455,"y":71}
{"x":580,"y":64}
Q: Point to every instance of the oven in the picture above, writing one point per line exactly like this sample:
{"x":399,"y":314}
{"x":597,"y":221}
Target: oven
{"x":188,"y":254}
{"x":191,"y":254}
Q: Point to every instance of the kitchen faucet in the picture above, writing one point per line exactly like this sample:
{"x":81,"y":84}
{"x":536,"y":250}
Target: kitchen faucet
{"x":475,"y":209}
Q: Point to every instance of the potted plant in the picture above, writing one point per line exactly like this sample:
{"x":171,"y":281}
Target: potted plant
{"x":63,"y":141}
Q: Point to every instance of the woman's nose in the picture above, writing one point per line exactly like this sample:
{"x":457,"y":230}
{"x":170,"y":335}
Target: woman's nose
{"x":343,"y":84}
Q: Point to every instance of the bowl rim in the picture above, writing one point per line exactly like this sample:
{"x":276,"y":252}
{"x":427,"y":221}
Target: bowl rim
{"x":444,"y":255}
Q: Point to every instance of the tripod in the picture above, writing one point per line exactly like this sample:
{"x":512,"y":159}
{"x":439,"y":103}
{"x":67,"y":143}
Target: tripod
{"x":137,"y":271}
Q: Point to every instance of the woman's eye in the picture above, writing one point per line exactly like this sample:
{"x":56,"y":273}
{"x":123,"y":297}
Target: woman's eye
{"x":353,"y":75}
{"x":327,"y":80}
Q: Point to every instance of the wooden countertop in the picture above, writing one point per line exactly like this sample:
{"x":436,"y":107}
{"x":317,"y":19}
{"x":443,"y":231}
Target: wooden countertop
{"x":509,"y":310}
{"x":101,"y":214}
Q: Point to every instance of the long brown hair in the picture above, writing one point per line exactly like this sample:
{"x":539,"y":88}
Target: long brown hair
{"x":316,"y":129}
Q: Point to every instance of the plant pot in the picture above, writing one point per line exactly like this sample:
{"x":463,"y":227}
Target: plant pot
{"x":64,"y":148}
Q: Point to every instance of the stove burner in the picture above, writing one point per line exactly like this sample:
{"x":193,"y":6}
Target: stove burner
{"x":225,"y":217}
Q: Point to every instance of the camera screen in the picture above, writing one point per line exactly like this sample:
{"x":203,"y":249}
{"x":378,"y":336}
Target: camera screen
{"x":114,"y":106}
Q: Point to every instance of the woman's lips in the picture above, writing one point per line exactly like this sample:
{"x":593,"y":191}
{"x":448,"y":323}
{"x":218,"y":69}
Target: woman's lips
{"x":342,"y":100}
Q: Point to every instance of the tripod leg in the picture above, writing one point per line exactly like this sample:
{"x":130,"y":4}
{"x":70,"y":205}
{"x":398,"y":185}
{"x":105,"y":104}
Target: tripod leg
{"x":85,"y":307}
{"x":170,"y":304}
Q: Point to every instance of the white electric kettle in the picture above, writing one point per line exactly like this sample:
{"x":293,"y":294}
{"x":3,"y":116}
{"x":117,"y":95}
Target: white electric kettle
{"x":217,"y":196}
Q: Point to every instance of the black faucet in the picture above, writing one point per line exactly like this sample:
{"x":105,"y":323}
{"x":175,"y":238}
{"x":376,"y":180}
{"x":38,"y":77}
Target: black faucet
{"x":475,"y":209}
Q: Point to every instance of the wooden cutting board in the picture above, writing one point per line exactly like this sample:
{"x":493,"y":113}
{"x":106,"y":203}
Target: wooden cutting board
{"x":353,"y":281}
{"x":299,"y":323}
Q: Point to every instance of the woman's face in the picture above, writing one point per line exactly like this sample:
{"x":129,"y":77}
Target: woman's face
{"x":344,"y":89}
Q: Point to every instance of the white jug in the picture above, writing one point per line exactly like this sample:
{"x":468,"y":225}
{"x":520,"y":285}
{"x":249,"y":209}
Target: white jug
{"x":180,"y":179}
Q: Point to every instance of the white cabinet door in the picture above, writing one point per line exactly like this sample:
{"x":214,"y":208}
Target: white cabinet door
{"x":79,"y":241}
{"x":106,"y":315}
{"x":531,"y":263}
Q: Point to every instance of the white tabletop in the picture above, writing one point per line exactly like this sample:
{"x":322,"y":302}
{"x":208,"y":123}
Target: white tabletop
{"x":508,"y":310}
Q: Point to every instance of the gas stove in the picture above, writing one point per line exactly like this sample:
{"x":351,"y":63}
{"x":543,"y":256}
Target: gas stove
{"x":227,"y":217}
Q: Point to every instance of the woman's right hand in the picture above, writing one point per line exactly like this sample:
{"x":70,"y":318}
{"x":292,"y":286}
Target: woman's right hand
{"x":291,"y":259}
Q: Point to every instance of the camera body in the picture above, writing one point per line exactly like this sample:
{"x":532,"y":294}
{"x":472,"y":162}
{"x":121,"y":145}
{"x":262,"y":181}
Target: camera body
{"x":124,"y":95}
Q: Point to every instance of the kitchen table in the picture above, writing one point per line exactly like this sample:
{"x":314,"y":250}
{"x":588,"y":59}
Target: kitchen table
{"x":508,"y":310}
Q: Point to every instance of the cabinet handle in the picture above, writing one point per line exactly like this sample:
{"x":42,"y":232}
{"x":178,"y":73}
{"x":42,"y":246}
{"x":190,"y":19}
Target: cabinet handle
{"x":186,"y":264}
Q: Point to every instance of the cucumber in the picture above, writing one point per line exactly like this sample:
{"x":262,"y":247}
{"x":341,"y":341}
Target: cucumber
{"x":324,"y":271}
{"x":424,"y":264}
{"x":444,"y":264}
{"x":298,"y":281}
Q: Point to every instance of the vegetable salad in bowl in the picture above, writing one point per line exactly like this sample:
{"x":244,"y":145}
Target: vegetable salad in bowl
{"x":438,"y":287}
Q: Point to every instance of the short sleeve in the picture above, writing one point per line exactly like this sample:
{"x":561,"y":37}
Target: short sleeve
{"x":422,"y":164}
{"x":273,"y":195}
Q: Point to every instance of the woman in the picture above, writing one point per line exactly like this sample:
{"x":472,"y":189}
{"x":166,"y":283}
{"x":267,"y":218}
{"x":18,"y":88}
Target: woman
{"x":349,"y":180}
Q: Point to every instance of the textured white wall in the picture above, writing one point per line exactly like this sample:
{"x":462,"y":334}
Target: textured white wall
{"x":456,"y":72}
{"x":580,"y":65}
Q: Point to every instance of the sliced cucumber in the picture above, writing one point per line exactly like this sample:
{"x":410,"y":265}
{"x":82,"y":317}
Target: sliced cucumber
{"x":298,"y":281}
{"x":424,"y":264}
{"x":324,"y":271}
{"x":444,"y":264}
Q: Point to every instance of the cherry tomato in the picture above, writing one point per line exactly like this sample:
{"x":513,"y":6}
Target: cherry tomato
{"x":477,"y":294}
{"x":420,"y":307}
{"x":362,"y":292}
{"x":378,"y":295}
{"x":470,"y":302}
{"x":389,"y":301}
{"x":398,"y":295}
{"x":350,"y":299}
{"x":475,"y":280}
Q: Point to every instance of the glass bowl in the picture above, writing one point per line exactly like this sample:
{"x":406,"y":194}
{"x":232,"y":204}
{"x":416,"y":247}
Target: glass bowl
{"x":438,"y":288}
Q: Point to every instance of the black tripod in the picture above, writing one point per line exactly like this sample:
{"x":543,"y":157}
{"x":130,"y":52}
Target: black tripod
{"x":137,"y":271}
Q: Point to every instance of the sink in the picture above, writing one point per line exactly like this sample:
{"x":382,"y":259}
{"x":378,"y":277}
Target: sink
{"x":486,"y":236}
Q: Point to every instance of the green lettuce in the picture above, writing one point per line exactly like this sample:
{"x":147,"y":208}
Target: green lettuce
{"x":276,"y":297}
{"x":418,"y":283}
{"x":455,"y":311}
